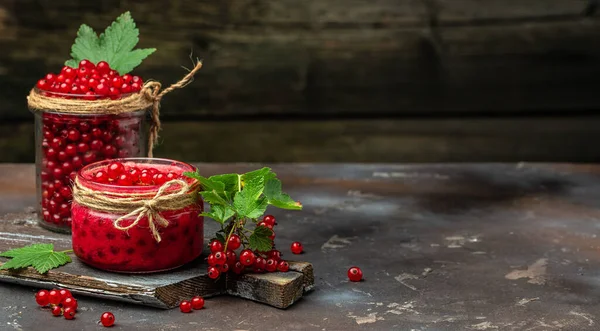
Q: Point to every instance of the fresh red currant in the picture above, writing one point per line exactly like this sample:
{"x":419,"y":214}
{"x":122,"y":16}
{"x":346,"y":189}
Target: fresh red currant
{"x":134,"y":173}
{"x":355,"y":274}
{"x":283,"y":266}
{"x":54,"y":297}
{"x":96,"y":145}
{"x":124,"y":180}
{"x":83,"y":72}
{"x":114,"y":92}
{"x":64,"y":293}
{"x":42,"y":298}
{"x":101,"y":177}
{"x":297,"y":247}
{"x":73,"y":135}
{"x":109,"y":151}
{"x":220,"y":257}
{"x":89,"y":157}
{"x":146,"y":178}
{"x":211,"y":259}
{"x":125,"y":88}
{"x":269,"y":220}
{"x":102,"y":67}
{"x":57,"y":311}
{"x":271,"y":265}
{"x":127,"y":78}
{"x":101,"y":89}
{"x":223,"y":268}
{"x":69,"y":302}
{"x":76,"y":162}
{"x":185,"y":306}
{"x":247,"y":257}
{"x":115,"y":169}
{"x":50,"y":78}
{"x":135,"y":87}
{"x":265,"y":224}
{"x":274,"y":254}
{"x":117,"y":81}
{"x":107,"y":319}
{"x":86,"y":64}
{"x":197,"y":302}
{"x":259,"y":264}
{"x":159,"y":178}
{"x":231,"y":257}
{"x":43,"y":85}
{"x":213,"y":273}
{"x":234,"y":242}
{"x":238,"y":268}
{"x":215,"y":246}
{"x":69,"y":313}
{"x":71,"y":150}
{"x":112,"y":73}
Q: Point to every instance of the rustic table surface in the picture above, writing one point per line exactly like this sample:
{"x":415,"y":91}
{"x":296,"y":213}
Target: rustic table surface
{"x":442,"y":247}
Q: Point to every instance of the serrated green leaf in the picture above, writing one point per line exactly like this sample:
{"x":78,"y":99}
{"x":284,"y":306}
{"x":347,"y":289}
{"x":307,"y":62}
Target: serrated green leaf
{"x":219,"y":213}
{"x":265,"y":173}
{"x":207,"y":184}
{"x":127,"y":62}
{"x":71,"y":63}
{"x":213,"y":198}
{"x":246,"y":201}
{"x":231,"y":183}
{"x":279,"y":199}
{"x":259,"y":239}
{"x":86,"y":46}
{"x":258,"y":209}
{"x":41,"y":257}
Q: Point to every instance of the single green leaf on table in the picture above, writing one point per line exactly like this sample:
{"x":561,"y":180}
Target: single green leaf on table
{"x":114,"y":46}
{"x":279,"y":199}
{"x":219,"y":213}
{"x":259,"y":239}
{"x":246,"y":201}
{"x":41,"y":257}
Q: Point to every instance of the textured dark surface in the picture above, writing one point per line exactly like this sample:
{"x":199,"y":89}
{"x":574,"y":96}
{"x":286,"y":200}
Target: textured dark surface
{"x":443,"y":247}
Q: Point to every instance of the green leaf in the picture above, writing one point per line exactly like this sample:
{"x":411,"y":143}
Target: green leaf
{"x":246,"y":201}
{"x":231,"y":183}
{"x":265,"y":173}
{"x":259,"y":239}
{"x":258,"y":209}
{"x":279,"y":199}
{"x":117,"y":43}
{"x":207,"y":183}
{"x":41,"y":257}
{"x":213,"y":198}
{"x":86,"y":46}
{"x":220,"y":237}
{"x":219,"y":213}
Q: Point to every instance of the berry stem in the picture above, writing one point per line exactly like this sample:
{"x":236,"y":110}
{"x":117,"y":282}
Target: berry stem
{"x":233,"y":227}
{"x":66,"y":251}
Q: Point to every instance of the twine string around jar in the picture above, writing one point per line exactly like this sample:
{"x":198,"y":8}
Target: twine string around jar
{"x":148,"y":98}
{"x":138,"y":205}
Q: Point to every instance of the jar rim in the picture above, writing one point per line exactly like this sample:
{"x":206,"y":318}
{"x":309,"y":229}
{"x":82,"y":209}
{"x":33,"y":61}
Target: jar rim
{"x":82,"y":96}
{"x":87,"y":182}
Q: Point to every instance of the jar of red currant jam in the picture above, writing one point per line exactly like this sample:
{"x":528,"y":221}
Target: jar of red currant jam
{"x":161,"y":230}
{"x":65,"y":142}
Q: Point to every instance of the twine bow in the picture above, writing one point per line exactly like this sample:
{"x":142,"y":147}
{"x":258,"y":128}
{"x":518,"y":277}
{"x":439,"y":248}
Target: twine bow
{"x":138,"y":205}
{"x":148,"y":98}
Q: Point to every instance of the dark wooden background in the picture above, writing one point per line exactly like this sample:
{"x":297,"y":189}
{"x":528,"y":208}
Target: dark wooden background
{"x":338,"y":80}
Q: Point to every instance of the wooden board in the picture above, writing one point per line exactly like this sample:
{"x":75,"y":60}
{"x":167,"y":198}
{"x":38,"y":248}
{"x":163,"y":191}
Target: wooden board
{"x":161,"y":290}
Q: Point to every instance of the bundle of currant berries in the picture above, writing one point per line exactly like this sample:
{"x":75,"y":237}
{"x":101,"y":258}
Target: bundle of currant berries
{"x":220,"y":262}
{"x":116,"y":173}
{"x":62,"y":302}
{"x":89,"y":82}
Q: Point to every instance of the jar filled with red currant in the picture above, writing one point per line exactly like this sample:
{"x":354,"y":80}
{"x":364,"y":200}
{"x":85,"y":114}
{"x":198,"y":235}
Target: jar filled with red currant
{"x":137,"y":215}
{"x":81,"y":116}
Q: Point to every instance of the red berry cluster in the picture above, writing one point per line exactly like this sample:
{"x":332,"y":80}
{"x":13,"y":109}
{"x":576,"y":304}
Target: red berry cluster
{"x":196,"y":303}
{"x":89,"y":82}
{"x":71,"y":142}
{"x":61,"y":302}
{"x":220,"y":262}
{"x":117,"y":173}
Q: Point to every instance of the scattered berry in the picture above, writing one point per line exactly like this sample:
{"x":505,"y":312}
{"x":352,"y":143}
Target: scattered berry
{"x":54,"y":297}
{"x":64,"y":293}
{"x":69,"y":313}
{"x":297,"y":247}
{"x":355,"y":274}
{"x":283,"y":266}
{"x":185,"y":306}
{"x":69,"y":302}
{"x":42,"y":298}
{"x":197,"y":302}
{"x":107,"y":319}
{"x":57,"y":311}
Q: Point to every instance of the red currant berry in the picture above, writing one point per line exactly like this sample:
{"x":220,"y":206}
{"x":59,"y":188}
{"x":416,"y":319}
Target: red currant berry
{"x":211,"y":260}
{"x":234,"y":242}
{"x":83,"y":72}
{"x":125,"y":88}
{"x":297,"y":247}
{"x":101,"y":177}
{"x":73,"y":135}
{"x":75,"y":90}
{"x":89,"y":157}
{"x":215,"y":246}
{"x":137,"y":79}
{"x":109,"y":151}
{"x":86,"y":137}
{"x":54,"y":297}
{"x":76,"y":162}
{"x":238,"y":268}
{"x":69,"y":302}
{"x":259,"y":264}
{"x":271,"y":265}
{"x":115,"y":169}
{"x":185,"y":306}
{"x":269,"y":220}
{"x":146,"y":178}
{"x":68,"y":72}
{"x":112,"y":73}
{"x":101,"y":88}
{"x":84,"y":126}
{"x":113,"y":93}
{"x":117,"y":81}
{"x":102,"y":67}
{"x":71,"y":150}
{"x":64,"y":88}
{"x":220,"y":257}
{"x":86,"y":64}
{"x":159,"y":179}
{"x":64,"y":293}
{"x":231,"y":257}
{"x":107,"y":319}
{"x":283,"y":266}
{"x":57,"y":311}
{"x":60,"y":78}
{"x":69,"y":313}
{"x":62,"y":156}
{"x":274,"y":254}
{"x":247,"y":257}
{"x":171,"y":176}
{"x":197,"y":302}
{"x":124,"y":180}
{"x":89,"y":95}
{"x":50,"y":78}
{"x":355,"y":274}
{"x":265,"y":224}
{"x":96,"y":145}
{"x":65,"y":191}
{"x":42,"y":298}
{"x":213,"y":273}
{"x":127,"y":78}
{"x":43,"y":85}
{"x":223,"y":268}
{"x":135,"y":87}
{"x":82,"y":148}
{"x":134,"y":173}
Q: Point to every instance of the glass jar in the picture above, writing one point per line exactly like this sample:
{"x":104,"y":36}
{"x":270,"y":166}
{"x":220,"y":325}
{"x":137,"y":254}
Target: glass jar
{"x":66,"y":142}
{"x":97,"y":241}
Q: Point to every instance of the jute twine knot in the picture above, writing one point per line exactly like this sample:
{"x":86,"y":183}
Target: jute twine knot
{"x":139,"y":205}
{"x":148,"y":98}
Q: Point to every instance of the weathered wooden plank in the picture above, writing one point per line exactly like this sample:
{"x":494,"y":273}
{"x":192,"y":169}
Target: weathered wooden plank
{"x":385,"y":140}
{"x":490,"y":11}
{"x":161,"y":290}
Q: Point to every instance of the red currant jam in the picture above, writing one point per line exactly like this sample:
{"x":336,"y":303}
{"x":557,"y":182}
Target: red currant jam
{"x":96,"y":240}
{"x":65,"y":143}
